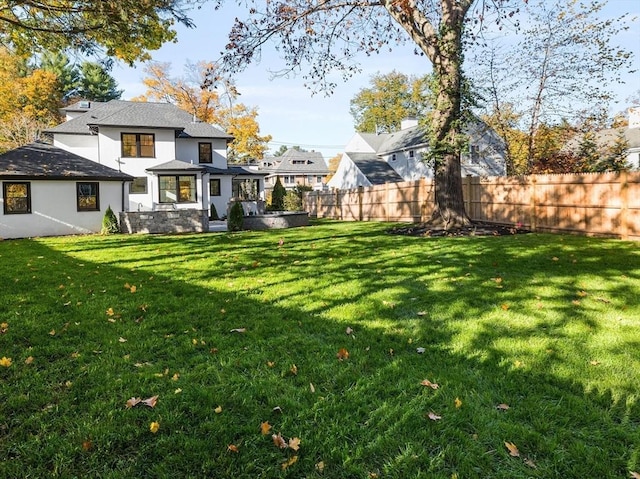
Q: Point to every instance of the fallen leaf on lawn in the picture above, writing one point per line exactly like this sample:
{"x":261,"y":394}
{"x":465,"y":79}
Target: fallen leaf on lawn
{"x":29,"y":360}
{"x":518,"y":364}
{"x":342,"y":354}
{"x":151,"y":402}
{"x":594,"y":363}
{"x":177,"y":391}
{"x":133,"y":289}
{"x":218,"y":410}
{"x":127,"y":285}
{"x":290,"y":462}
{"x":420,"y":350}
{"x":320,"y":466}
{"x":277,"y":409}
{"x":265,"y":428}
{"x":502,"y":407}
{"x":513,"y":449}
{"x":530,"y":463}
{"x":87,"y":445}
{"x":433,"y":416}
{"x":294,"y":370}
{"x":349,"y":330}
{"x":279,"y":441}
{"x":133,"y":402}
{"x":582,"y":294}
{"x":271,"y":364}
{"x":175,"y":377}
{"x":122,"y":340}
{"x":6,"y":362}
{"x":233,"y":448}
{"x":52,"y":332}
{"x":635,"y":475}
{"x":154,"y":427}
{"x":555,"y":258}
{"x":457,"y":403}
{"x":239,"y":330}
{"x":294,"y":443}
{"x":575,"y":302}
{"x":428,"y":383}
{"x":4,"y":327}
{"x":422,"y":313}
{"x":504,"y":306}
{"x":312,"y":388}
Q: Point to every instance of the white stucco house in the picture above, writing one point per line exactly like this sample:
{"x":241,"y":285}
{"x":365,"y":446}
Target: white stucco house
{"x":372,"y":159}
{"x":170,"y":160}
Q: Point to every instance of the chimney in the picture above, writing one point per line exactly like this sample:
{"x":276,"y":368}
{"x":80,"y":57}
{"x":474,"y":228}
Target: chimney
{"x":634,"y":117}
{"x":408,"y":122}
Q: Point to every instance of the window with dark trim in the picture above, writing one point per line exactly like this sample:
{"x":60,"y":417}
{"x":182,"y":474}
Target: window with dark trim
{"x":17,"y":197}
{"x":214,"y":187}
{"x":138,"y":145}
{"x":138,"y":185}
{"x":205,"y":153}
{"x":177,"y":188}
{"x":87,"y":195}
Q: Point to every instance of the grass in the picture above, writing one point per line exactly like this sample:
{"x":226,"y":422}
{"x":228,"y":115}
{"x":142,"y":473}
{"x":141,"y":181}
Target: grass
{"x":545,"y":324}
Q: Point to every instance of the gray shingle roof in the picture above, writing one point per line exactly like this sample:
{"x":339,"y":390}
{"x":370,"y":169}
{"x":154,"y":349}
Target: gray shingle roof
{"x":300,"y":162}
{"x":404,"y":139}
{"x":176,"y":165}
{"x":132,"y":114}
{"x":376,"y":170}
{"x":44,"y":161}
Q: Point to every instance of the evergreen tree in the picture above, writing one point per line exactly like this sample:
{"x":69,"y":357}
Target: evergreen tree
{"x":615,"y":158}
{"x":96,"y":84}
{"x":67,"y":73}
{"x":277,"y":196}
{"x":588,"y":153}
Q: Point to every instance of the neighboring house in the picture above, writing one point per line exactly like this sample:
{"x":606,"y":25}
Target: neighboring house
{"x":177,"y":161}
{"x":606,"y":139}
{"x":371,"y":159}
{"x":47,"y":191}
{"x":304,"y":168}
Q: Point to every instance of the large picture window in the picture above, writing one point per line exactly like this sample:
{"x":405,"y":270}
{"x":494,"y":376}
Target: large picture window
{"x":17,"y":198}
{"x":87,"y":194}
{"x":138,"y":185}
{"x":205,"y":153}
{"x":138,"y":145}
{"x":177,"y":189}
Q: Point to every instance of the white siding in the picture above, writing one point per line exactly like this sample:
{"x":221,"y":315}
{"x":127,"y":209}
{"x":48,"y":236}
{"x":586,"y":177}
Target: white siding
{"x":187,"y":151}
{"x":82,"y":145}
{"x":54,"y":210}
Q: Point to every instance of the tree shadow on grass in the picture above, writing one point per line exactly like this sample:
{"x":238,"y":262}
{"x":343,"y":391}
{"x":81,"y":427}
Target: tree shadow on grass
{"x":463,"y":301}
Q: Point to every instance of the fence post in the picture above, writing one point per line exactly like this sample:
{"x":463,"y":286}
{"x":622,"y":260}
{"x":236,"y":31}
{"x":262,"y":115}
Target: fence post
{"x":533,"y":203}
{"x":422,"y":200}
{"x":386,"y":209}
{"x":338,"y":205}
{"x":360,"y":194}
{"x":624,"y":205}
{"x":466,"y":194}
{"x":318,"y":204}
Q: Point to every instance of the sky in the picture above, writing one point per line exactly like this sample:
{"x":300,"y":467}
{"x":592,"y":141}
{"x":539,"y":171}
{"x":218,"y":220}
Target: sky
{"x":287,"y":110}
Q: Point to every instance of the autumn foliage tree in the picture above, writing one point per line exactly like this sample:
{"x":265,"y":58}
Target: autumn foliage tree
{"x":212,"y":99}
{"x":327,"y":37}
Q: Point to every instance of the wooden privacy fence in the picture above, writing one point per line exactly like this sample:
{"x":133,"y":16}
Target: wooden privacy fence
{"x":603,"y":204}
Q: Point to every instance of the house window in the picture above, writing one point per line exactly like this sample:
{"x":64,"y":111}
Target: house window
{"x":87,"y":196}
{"x":177,"y":189}
{"x":318,"y":179}
{"x":214,"y":187}
{"x":299,"y":162}
{"x":205,"y":153}
{"x":411,"y":154}
{"x":245,"y":189}
{"x":393,"y":157}
{"x":17,"y":198}
{"x":138,"y":145}
{"x":138,"y":185}
{"x":309,"y":179}
{"x":289,"y":180}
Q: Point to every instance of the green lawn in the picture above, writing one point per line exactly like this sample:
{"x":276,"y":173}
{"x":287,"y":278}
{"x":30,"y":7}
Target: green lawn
{"x":547,"y":325}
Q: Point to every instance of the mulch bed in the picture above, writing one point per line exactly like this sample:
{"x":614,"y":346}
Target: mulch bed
{"x":475,"y":229}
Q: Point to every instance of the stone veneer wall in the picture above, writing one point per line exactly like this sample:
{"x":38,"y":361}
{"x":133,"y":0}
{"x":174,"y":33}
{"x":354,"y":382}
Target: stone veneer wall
{"x":173,"y":221}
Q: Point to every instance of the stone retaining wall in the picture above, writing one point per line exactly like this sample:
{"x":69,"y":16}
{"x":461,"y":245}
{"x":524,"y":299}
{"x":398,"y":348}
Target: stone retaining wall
{"x":288,"y":219}
{"x":173,"y":221}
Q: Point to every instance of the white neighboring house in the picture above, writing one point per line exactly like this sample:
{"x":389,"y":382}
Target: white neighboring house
{"x":177,"y":161}
{"x":47,"y":191}
{"x":371,"y":159}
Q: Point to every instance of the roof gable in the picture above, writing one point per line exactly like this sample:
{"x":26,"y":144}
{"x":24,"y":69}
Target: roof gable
{"x":376,"y":170}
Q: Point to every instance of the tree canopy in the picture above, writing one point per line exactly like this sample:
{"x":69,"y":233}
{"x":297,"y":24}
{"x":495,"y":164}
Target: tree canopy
{"x":124,"y":29}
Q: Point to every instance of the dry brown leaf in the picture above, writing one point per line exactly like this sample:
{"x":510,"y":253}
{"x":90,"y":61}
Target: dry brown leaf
{"x":457,"y":403}
{"x":151,"y":402}
{"x":294,"y":370}
{"x":87,"y":445}
{"x":502,"y":407}
{"x":290,"y":462}
{"x":312,"y":388}
{"x":342,"y":354}
{"x":232,"y":448}
{"x":29,"y":360}
{"x":513,"y":449}
{"x":429,"y":384}
{"x":530,"y":463}
{"x":132,"y":402}
{"x":594,"y":362}
{"x":505,"y":306}
{"x":279,"y":441}
{"x":635,"y":475}
{"x":271,"y":364}
{"x":320,"y":467}
{"x":265,"y":428}
{"x":294,"y":443}
{"x":52,"y":332}
{"x":349,"y":330}
{"x":433,"y":416}
{"x":218,"y":410}
{"x":122,"y":340}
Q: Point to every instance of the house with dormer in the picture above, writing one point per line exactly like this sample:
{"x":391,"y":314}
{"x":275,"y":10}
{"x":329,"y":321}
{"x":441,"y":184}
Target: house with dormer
{"x":373,"y":159}
{"x":296,"y":168}
{"x":165,"y":159}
